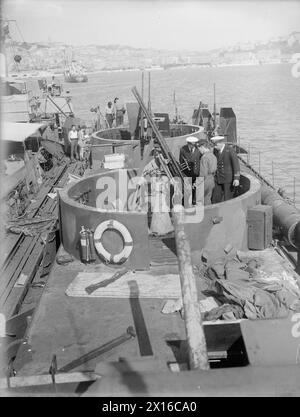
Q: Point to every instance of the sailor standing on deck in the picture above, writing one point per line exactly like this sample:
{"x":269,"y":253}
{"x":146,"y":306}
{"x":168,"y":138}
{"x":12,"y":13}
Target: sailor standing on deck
{"x":119,"y":111}
{"x":109,"y":114}
{"x":81,"y":141}
{"x":208,"y":167}
{"x":73,"y":138}
{"x":189,"y":159}
{"x":228,"y":170}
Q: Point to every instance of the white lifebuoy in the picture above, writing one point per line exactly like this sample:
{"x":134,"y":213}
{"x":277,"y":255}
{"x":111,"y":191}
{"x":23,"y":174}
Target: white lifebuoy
{"x":128,"y":242}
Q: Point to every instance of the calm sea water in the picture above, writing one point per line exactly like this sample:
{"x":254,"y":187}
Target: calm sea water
{"x":265,"y":99}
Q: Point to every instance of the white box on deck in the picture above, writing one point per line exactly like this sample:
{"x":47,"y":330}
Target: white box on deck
{"x":114,"y":161}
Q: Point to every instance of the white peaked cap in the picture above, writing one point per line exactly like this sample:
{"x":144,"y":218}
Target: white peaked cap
{"x":192,"y":139}
{"x":218,"y":139}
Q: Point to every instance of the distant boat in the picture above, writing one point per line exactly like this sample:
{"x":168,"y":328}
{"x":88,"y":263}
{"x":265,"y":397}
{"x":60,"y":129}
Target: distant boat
{"x":75,"y":73}
{"x":154,"y":68}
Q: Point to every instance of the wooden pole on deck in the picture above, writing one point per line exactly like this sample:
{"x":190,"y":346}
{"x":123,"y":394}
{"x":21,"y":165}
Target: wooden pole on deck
{"x":198,"y":358}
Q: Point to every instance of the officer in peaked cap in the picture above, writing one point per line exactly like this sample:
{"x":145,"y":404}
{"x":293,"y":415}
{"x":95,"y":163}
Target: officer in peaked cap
{"x":218,"y":139}
{"x":189,"y":159}
{"x":228,"y":170}
{"x":192,"y":139}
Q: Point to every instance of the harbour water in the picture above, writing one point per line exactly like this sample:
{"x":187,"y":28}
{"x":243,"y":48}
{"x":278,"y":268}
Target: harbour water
{"x":265,"y":99}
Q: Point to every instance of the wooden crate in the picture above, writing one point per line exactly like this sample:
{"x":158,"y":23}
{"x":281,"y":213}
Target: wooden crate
{"x":260,"y":220}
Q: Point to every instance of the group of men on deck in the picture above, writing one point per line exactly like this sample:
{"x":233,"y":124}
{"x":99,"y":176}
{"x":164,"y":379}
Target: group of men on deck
{"x":115,"y":112}
{"x":79,"y":143}
{"x":217,"y":163}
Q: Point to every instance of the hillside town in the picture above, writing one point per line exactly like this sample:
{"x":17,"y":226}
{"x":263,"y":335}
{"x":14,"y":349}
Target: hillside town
{"x":54,"y":55}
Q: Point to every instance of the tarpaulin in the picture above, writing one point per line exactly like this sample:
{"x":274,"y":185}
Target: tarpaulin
{"x":262,"y":288}
{"x":257,"y":303}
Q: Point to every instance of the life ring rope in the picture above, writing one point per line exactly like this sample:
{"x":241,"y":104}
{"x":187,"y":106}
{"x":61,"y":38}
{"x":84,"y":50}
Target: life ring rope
{"x":127,"y":238}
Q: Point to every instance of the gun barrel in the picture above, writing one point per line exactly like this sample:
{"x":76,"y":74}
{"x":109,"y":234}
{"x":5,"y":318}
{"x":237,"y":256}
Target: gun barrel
{"x":285,"y":216}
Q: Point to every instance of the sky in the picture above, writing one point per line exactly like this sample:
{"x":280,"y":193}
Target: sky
{"x":162,"y":24}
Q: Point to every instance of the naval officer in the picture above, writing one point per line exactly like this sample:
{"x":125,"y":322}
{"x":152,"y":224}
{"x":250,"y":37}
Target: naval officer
{"x":189,"y":157}
{"x":228,"y":170}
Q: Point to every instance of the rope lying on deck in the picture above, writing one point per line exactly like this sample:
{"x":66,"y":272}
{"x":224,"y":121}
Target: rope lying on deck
{"x":30,"y":227}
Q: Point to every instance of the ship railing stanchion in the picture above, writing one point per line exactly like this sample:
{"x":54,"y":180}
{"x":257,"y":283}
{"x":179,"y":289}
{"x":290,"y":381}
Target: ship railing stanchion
{"x":53,"y":371}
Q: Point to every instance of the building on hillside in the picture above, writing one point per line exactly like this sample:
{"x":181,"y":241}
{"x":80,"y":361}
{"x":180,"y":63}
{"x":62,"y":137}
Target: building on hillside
{"x":294,"y":38}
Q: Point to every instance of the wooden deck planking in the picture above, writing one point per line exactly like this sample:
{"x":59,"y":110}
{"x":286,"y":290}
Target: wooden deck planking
{"x":26,"y":252}
{"x":73,"y":326}
{"x":17,"y":293}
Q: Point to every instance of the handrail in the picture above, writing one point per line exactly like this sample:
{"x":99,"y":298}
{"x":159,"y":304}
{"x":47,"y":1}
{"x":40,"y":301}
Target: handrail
{"x":115,"y":144}
{"x":266,"y":169}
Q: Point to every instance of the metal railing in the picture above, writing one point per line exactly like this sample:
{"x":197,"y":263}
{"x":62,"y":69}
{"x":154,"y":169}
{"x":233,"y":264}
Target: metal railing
{"x":283,"y":181}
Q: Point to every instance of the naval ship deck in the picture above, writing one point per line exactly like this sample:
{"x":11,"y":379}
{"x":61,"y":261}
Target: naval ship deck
{"x":70,"y":327}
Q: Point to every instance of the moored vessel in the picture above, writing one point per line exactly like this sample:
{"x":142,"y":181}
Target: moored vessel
{"x":74,"y":73}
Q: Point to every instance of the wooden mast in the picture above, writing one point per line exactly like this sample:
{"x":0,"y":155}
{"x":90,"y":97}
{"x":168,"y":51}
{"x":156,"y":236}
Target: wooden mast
{"x":149,"y":92}
{"x":142,"y":133}
{"x":175,"y":105}
{"x":215,"y":112}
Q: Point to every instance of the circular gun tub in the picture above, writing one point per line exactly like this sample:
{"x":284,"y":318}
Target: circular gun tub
{"x":119,"y":140}
{"x":84,"y":203}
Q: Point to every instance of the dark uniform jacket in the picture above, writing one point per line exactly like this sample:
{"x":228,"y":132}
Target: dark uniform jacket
{"x":191,"y":160}
{"x":228,"y":166}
